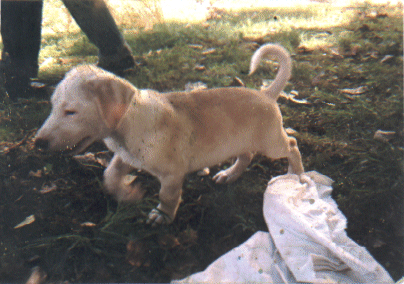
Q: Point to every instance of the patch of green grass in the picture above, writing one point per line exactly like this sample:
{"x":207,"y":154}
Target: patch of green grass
{"x":332,"y":49}
{"x":16,"y":121}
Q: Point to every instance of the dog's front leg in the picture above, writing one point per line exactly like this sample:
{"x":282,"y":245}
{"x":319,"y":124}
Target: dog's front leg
{"x":114,"y":181}
{"x":170,"y":198}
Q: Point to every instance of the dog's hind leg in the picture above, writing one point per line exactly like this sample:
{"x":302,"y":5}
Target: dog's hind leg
{"x":232,"y":173}
{"x":114,"y":181}
{"x":294,"y":158}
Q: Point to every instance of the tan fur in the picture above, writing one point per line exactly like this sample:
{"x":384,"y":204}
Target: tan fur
{"x":169,"y":134}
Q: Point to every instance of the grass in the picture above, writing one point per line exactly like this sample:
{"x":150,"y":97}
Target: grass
{"x":333,"y":48}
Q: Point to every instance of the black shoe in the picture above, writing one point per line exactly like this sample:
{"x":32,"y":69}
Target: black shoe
{"x":15,"y":87}
{"x":119,"y":62}
{"x":16,"y":82}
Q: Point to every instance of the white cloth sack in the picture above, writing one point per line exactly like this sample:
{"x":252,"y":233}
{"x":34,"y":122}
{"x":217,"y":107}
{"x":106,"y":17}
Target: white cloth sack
{"x":306,"y":241}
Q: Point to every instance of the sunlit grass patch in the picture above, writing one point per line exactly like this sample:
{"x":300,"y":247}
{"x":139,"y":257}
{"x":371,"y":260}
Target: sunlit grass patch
{"x":320,"y":41}
{"x":357,"y":48}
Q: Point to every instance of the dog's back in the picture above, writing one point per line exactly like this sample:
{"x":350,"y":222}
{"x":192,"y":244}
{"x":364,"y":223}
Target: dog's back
{"x":240,"y":116}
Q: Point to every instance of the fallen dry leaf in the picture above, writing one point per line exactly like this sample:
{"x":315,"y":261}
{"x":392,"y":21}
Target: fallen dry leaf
{"x":384,"y":136}
{"x":209,"y":51}
{"x":195,"y":46}
{"x":29,"y":220}
{"x":237,"y":82}
{"x":356,"y":91}
{"x":88,"y":224}
{"x":37,"y":85}
{"x":305,"y":49}
{"x":195,"y":86}
{"x":303,"y":101}
{"x":291,"y":97}
{"x":102,"y":158}
{"x":48,"y":188}
{"x":37,"y":174}
{"x":336,"y":53}
{"x":374,"y":54}
{"x":386,"y":58}
{"x":199,"y":67}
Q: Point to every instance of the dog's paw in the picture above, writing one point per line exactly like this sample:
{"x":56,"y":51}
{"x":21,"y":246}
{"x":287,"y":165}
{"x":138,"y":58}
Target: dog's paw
{"x":225,"y":176}
{"x":304,"y":179}
{"x":158,"y":217}
{"x":128,"y":193}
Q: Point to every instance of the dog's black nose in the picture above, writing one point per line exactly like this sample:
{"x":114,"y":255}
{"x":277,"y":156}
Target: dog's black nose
{"x":41,"y":143}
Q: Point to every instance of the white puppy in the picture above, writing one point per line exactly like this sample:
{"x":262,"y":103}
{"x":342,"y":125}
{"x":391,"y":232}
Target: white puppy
{"x":169,"y":134}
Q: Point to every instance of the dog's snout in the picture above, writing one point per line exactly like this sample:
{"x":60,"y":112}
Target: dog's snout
{"x":41,"y":143}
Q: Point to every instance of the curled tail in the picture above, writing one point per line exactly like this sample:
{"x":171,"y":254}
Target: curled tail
{"x":285,"y":67}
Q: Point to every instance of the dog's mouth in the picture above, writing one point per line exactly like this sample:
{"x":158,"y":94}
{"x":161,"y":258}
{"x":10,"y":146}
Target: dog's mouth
{"x":79,"y":146}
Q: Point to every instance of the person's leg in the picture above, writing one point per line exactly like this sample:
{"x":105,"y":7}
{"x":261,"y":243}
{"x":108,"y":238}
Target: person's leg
{"x":97,"y":23}
{"x":21,"y":34}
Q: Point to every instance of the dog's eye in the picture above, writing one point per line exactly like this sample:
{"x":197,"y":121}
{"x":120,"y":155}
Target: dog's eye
{"x":69,"y":112}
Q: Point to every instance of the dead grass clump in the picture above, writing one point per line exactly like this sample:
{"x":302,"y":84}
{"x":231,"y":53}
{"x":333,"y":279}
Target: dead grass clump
{"x":348,"y":66}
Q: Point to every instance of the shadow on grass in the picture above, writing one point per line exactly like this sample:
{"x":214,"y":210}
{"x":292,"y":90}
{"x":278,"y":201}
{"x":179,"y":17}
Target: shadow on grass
{"x":82,"y":235}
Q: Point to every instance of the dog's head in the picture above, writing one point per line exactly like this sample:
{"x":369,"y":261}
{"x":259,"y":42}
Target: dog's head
{"x":86,"y":106}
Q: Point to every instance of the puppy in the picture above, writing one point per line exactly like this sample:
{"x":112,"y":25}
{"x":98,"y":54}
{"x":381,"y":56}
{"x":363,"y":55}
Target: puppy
{"x":169,"y":134}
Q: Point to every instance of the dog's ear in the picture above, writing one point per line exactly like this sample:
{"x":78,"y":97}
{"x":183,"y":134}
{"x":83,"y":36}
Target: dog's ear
{"x":112,"y":96}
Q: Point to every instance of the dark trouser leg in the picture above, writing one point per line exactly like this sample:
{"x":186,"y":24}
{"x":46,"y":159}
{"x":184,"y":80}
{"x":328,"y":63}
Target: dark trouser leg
{"x":21,"y":33}
{"x":97,"y":23}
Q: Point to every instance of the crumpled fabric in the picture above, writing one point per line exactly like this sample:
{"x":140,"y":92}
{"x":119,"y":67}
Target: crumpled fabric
{"x":255,"y":261}
{"x":306,"y":243}
{"x":309,"y":232}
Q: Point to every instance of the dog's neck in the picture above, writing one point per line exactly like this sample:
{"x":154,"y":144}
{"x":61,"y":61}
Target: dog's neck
{"x":146,"y":107}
